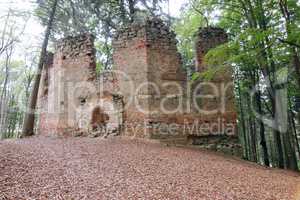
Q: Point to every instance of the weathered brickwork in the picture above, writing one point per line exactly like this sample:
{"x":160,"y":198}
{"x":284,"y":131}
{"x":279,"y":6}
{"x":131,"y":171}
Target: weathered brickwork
{"x":75,"y":91}
{"x":42,"y":105}
{"x":220,"y":88}
{"x":147,"y":53}
{"x":221,"y":85}
{"x":207,"y":39}
{"x":147,"y":94}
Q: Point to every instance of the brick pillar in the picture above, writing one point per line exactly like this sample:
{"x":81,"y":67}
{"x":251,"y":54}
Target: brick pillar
{"x":208,"y":38}
{"x":147,"y":53}
{"x":42,"y":103}
{"x":73,"y":63}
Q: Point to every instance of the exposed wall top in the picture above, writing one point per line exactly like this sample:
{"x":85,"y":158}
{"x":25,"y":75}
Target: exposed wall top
{"x":74,"y":46}
{"x":150,"y":29}
{"x":208,"y":38}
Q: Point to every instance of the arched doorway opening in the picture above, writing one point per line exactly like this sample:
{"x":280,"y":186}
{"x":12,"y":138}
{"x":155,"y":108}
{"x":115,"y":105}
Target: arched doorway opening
{"x":107,"y":116}
{"x":99,"y":119}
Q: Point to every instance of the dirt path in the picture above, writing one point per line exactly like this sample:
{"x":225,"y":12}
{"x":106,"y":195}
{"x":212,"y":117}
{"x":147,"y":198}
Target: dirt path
{"x":87,"y":168}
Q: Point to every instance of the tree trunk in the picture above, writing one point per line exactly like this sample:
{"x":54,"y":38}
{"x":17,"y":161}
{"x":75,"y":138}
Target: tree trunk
{"x":122,"y":9}
{"x":242,"y":121}
{"x":4,"y":100}
{"x":263,"y":142}
{"x":154,"y":5}
{"x":294,"y":131}
{"x":28,"y":125}
{"x":131,"y":9}
{"x":269,"y":69}
{"x":287,"y":16}
{"x":251,"y":134}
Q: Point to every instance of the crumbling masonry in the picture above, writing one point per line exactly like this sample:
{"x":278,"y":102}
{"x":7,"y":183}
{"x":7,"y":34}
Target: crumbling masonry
{"x":146,"y":95}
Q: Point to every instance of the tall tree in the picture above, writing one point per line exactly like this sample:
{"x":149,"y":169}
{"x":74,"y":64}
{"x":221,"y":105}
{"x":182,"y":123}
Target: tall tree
{"x":28,"y":125}
{"x":261,"y":33}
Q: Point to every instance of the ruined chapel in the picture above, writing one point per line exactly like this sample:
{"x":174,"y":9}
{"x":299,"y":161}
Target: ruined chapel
{"x":147,"y":94}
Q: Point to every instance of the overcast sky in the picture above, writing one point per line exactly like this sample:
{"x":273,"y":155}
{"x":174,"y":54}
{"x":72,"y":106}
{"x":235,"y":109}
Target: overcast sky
{"x":34,"y":26}
{"x":33,"y":32}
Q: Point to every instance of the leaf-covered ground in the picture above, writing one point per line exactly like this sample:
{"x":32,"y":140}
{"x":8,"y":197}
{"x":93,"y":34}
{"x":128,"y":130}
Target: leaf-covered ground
{"x":89,"y":168}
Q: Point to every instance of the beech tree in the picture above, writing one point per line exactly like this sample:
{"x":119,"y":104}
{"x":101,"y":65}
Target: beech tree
{"x":257,"y":51}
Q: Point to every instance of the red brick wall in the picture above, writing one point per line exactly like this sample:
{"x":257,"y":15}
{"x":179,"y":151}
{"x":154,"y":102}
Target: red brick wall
{"x":147,"y":52}
{"x":144,"y":54}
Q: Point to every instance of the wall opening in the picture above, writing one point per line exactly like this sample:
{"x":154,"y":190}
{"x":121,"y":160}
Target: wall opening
{"x":99,"y":119}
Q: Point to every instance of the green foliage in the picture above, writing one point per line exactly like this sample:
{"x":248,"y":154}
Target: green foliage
{"x":99,"y":67}
{"x":103,"y":53}
{"x":210,"y":73}
{"x":219,"y":56}
{"x":100,"y":17}
{"x":186,"y":28}
{"x":264,"y":36}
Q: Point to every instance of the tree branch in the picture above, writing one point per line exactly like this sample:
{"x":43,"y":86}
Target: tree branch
{"x":289,"y":43}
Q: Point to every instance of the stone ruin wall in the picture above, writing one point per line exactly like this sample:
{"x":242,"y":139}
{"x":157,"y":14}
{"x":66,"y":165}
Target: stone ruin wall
{"x":70,"y":90}
{"x":206,"y":39}
{"x":209,"y":38}
{"x":130,"y":62}
{"x":42,"y":104}
{"x":148,"y":52}
{"x":143,"y":52}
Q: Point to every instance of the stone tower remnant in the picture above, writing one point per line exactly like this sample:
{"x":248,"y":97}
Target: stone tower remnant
{"x":147,"y":53}
{"x":73,"y":98}
{"x":146,"y":95}
{"x":206,"y":39}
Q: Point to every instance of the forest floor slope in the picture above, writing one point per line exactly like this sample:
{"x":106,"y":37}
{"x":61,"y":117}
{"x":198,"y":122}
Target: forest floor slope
{"x":118,"y":168}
